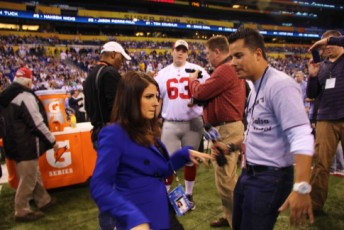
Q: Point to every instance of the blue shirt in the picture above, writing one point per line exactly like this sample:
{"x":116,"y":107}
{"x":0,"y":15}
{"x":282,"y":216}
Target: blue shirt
{"x":331,"y":101}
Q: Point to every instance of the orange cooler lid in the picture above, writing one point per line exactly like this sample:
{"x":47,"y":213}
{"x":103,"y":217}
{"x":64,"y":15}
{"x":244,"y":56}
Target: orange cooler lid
{"x":50,"y":92}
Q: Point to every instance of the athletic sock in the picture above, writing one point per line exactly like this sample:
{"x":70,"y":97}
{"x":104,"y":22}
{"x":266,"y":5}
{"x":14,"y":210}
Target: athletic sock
{"x":189,"y":187}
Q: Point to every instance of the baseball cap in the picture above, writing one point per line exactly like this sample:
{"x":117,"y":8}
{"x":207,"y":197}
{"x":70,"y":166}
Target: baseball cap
{"x":115,"y":47}
{"x":24,"y":72}
{"x":181,"y":43}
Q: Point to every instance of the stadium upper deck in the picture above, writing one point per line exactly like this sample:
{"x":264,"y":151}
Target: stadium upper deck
{"x":183,"y":19}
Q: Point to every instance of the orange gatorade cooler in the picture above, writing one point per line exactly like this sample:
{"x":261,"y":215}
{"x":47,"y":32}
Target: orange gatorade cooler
{"x":74,"y":160}
{"x":72,"y":163}
{"x":54,"y":104}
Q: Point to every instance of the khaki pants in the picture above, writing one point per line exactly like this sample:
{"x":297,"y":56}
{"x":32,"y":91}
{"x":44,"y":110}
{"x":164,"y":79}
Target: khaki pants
{"x":30,"y":186}
{"x":226,"y":176}
{"x":328,"y":135}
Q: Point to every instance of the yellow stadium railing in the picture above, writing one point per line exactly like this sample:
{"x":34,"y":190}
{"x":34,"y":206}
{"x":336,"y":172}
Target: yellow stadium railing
{"x":48,"y":10}
{"x":13,"y":6}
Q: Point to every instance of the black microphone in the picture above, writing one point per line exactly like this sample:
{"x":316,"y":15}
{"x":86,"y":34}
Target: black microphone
{"x":211,"y":134}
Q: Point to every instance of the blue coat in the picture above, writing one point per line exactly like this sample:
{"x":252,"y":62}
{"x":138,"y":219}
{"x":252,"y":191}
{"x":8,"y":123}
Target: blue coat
{"x":128,"y":180}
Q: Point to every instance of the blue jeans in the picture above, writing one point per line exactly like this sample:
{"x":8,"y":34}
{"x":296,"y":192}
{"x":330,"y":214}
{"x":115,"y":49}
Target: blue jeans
{"x":257,"y":198}
{"x":106,"y":221}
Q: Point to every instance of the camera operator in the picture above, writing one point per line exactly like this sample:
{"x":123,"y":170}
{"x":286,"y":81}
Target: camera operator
{"x":183,"y":125}
{"x":225,"y":94}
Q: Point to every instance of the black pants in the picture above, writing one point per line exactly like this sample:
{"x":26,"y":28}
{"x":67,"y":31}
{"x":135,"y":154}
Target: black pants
{"x":106,"y":222}
{"x":175,"y":224}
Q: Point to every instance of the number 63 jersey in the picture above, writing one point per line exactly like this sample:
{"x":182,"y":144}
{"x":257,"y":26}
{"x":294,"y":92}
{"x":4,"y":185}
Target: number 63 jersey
{"x":174,"y":91}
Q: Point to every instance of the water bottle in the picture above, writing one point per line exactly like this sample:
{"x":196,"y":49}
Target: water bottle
{"x":72,"y":121}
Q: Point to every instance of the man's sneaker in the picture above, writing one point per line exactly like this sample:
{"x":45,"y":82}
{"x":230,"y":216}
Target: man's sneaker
{"x":192,"y":203}
{"x":32,"y":216}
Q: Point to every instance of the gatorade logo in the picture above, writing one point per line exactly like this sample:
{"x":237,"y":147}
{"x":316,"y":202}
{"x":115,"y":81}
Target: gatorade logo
{"x":54,"y":107}
{"x":62,"y":157}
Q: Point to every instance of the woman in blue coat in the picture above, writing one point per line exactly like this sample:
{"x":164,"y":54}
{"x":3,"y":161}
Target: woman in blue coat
{"x":132,"y":163}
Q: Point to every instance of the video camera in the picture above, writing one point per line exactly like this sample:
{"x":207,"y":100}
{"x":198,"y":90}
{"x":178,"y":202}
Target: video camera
{"x":211,"y":134}
{"x":199,"y":76}
{"x":194,"y":101}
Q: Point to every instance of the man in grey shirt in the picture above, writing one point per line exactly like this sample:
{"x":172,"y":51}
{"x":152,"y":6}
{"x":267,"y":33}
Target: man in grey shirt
{"x":278,"y":135}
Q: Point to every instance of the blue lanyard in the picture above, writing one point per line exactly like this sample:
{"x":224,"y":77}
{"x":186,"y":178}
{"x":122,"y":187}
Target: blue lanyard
{"x":255,"y":101}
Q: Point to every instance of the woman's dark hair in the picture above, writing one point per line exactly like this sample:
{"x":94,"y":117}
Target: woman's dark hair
{"x":126,"y":110}
{"x":252,"y":39}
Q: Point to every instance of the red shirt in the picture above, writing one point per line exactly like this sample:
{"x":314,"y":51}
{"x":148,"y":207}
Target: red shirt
{"x":225,"y":92}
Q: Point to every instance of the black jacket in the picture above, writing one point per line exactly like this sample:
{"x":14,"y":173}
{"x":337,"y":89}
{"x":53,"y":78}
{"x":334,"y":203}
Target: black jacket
{"x":26,"y":134}
{"x":99,"y":109}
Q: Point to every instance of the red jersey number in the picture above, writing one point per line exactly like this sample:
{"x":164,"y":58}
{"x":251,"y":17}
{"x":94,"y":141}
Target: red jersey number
{"x":172,"y":89}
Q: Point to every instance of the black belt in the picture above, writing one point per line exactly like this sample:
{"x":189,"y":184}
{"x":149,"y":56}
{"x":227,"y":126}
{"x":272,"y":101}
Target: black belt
{"x":181,"y":120}
{"x":221,"y":123}
{"x":252,"y":169}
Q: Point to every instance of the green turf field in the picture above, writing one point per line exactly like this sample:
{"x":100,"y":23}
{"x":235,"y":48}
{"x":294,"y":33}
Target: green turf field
{"x":76,"y":210}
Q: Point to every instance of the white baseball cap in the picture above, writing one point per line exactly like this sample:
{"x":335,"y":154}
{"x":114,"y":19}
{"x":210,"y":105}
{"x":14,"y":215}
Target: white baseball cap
{"x":181,"y":43}
{"x":115,"y":47}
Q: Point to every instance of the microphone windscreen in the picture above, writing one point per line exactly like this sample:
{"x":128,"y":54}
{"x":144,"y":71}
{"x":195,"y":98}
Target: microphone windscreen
{"x":207,"y":127}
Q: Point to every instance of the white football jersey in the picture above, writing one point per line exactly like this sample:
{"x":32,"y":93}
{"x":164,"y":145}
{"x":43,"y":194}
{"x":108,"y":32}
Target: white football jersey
{"x":175,"y":93}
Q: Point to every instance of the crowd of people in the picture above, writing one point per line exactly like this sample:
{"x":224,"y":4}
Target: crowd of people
{"x":256,"y":108}
{"x":67,"y":67}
